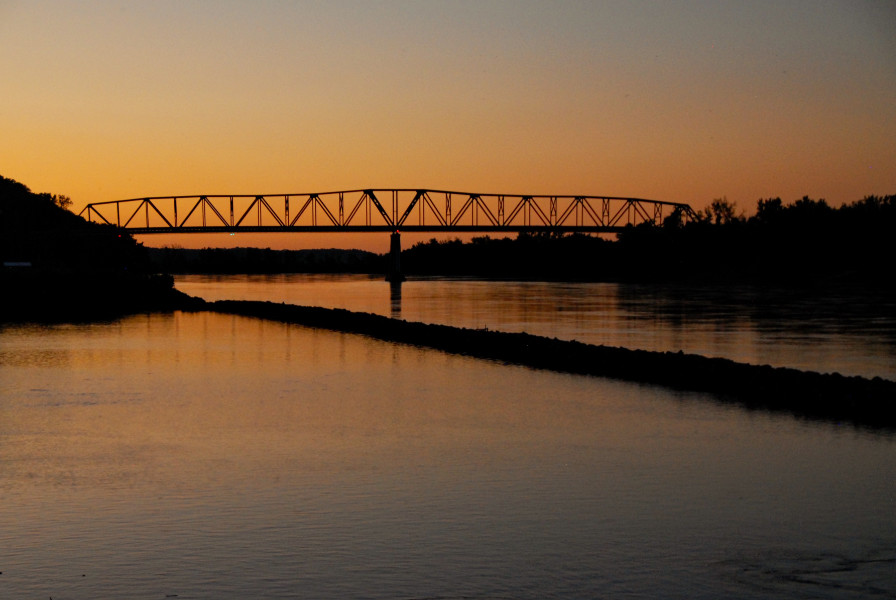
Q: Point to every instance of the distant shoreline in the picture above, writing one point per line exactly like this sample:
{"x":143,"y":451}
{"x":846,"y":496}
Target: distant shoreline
{"x":830,"y":397}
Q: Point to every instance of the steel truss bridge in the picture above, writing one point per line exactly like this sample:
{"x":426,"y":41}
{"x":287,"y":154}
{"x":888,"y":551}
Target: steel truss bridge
{"x":384,"y":210}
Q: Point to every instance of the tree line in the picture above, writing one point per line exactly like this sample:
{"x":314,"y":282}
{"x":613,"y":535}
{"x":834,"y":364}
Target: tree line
{"x":807,"y":241}
{"x":264,"y":260}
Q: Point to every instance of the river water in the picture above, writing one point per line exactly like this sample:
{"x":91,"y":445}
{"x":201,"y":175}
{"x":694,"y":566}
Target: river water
{"x":853,"y":334}
{"x":215,"y":456}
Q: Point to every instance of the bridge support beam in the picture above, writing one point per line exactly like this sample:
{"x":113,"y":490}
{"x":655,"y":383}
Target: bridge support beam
{"x":393,"y":271}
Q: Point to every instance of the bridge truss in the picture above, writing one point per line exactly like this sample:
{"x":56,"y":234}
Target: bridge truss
{"x":386,"y":210}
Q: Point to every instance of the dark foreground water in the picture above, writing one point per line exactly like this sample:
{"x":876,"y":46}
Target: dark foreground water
{"x":214,"y":456}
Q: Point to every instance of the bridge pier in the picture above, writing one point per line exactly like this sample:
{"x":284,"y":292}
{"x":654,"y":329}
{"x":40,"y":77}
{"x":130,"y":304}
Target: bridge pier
{"x":393,"y":271}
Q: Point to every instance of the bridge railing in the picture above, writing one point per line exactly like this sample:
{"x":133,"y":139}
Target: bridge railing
{"x":383,"y":210}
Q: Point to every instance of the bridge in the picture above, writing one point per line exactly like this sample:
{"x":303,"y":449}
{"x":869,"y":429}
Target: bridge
{"x":383,"y":210}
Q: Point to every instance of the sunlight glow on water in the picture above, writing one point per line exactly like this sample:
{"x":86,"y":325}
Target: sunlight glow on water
{"x":213,"y":456}
{"x":849,"y":334}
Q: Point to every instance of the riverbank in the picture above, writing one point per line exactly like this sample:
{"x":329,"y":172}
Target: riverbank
{"x":55,"y":266}
{"x":832,"y":397}
{"x":32,"y":295}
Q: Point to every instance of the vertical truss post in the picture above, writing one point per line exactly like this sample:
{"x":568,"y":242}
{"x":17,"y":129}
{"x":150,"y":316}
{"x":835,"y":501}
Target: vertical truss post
{"x":117,"y":213}
{"x":448,"y":207}
{"x":395,"y":206}
{"x":553,"y":217}
{"x":501,"y":210}
{"x":175,"y":211}
{"x":605,"y":211}
{"x":231,"y":211}
{"x":286,"y":209}
{"x":341,"y":210}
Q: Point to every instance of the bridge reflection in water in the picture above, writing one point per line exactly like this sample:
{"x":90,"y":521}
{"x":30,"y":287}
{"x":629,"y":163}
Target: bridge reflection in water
{"x":386,"y":210}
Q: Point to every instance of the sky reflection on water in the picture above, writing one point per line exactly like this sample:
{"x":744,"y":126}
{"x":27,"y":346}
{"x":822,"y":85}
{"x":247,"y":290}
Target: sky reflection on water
{"x":849,"y":333}
{"x":216,"y":456}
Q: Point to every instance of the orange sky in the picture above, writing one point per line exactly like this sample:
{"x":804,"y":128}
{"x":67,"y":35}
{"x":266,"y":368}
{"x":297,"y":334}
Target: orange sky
{"x":678,"y":101}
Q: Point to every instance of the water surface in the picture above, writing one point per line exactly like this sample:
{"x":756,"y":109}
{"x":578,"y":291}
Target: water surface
{"x":212,"y":456}
{"x":847,"y":332}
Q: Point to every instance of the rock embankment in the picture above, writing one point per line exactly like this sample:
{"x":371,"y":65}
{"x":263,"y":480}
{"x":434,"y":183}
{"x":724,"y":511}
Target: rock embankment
{"x":834,"y":397}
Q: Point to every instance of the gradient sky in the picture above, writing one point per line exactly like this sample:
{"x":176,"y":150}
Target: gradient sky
{"x":679,"y":101}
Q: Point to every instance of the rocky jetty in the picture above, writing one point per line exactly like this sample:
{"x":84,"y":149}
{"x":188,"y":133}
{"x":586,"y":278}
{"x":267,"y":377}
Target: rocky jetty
{"x":832,"y":397}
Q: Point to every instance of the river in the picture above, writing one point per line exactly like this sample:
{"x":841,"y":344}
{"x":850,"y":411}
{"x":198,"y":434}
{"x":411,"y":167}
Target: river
{"x":850,"y":333}
{"x":214,"y":456}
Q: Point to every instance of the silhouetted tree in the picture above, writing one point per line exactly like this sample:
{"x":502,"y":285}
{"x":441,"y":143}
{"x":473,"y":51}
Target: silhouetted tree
{"x":768,"y":210}
{"x":675,"y":219}
{"x":722,"y":212}
{"x":62,"y":201}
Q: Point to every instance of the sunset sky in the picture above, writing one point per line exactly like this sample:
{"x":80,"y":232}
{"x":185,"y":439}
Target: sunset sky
{"x":679,"y":101}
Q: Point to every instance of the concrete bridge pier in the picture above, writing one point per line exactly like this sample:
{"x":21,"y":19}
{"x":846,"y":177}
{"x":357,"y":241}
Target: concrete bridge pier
{"x":393,"y":271}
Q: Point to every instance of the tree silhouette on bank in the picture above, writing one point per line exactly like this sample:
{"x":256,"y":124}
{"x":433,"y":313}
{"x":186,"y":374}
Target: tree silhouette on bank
{"x":56,"y":264}
{"x":805,"y":242}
